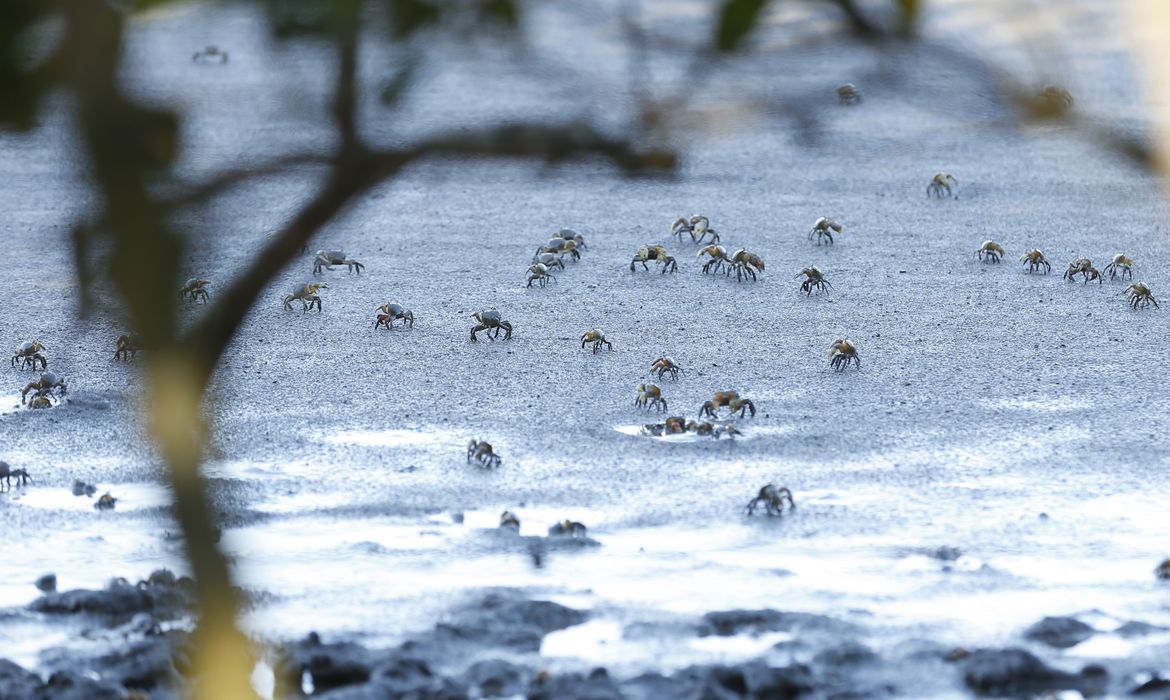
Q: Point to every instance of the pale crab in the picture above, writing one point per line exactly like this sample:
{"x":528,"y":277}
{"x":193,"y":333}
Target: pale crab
{"x":1083,"y":267}
{"x":326,"y":259}
{"x":773,"y":498}
{"x":990,"y":252}
{"x":195,"y":289}
{"x":656,"y":253}
{"x":568,"y":528}
{"x":1139,"y":293}
{"x":569,"y":234}
{"x":746,"y":264}
{"x":1035,"y":260}
{"x":539,"y":274}
{"x":597,"y":337}
{"x":718,"y":255}
{"x":1121,"y":266}
{"x":841,"y":353}
{"x":307,"y":294}
{"x":30,"y":354}
{"x":559,"y":247}
{"x":713,"y":430}
{"x":549,"y":260}
{"x":666,"y":364}
{"x":650,"y":396}
{"x":210,"y":54}
{"x":823,"y":230}
{"x":509,"y":521}
{"x":481,"y":451}
{"x":941,"y":183}
{"x":126,"y":348}
{"x":730,"y":399}
{"x":106,"y":502}
{"x":489,"y":320}
{"x":813,"y":279}
{"x":45,"y":387}
{"x":7,"y":474}
{"x":697,"y":227}
{"x":848,"y":94}
{"x":389,"y":312}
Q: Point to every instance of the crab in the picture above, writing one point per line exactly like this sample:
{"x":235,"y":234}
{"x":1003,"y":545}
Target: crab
{"x":569,"y":234}
{"x":1034,"y":259}
{"x":39,"y":402}
{"x":841,"y":353}
{"x":509,"y":521}
{"x":650,"y":396}
{"x":666,"y":364}
{"x":743,"y":263}
{"x":80,"y":488}
{"x":481,"y":451}
{"x":732,"y":400}
{"x":1139,"y":294}
{"x":559,"y":247}
{"x":823,"y":229}
{"x":126,"y":348}
{"x":44,"y":387}
{"x":697,"y":227}
{"x":941,"y":183}
{"x":990,"y":252}
{"x":195,"y":289}
{"x":106,"y":502}
{"x":307,"y":293}
{"x":7,"y":474}
{"x":549,"y":260}
{"x":848,"y":94}
{"x":1083,"y":267}
{"x":656,"y":253}
{"x":1120,"y":267}
{"x":718,"y":255}
{"x":539,"y":273}
{"x":209,"y":54}
{"x":813,"y":279}
{"x":674,"y":425}
{"x":30,"y":354}
{"x":773,"y":497}
{"x":568,"y":528}
{"x":708,"y":429}
{"x":490,"y":319}
{"x":388,"y":313}
{"x":1162,"y":571}
{"x":597,"y":337}
{"x":1055,"y":99}
{"x":326,"y":259}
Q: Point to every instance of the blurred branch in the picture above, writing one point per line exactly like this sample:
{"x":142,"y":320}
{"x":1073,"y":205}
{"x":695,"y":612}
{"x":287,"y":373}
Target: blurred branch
{"x":345,"y":92}
{"x":227,"y":179}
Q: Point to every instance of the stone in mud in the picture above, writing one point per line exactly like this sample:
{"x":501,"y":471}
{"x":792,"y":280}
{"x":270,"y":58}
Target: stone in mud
{"x":1156,"y":687}
{"x":845,"y":655}
{"x":575,"y":686}
{"x":496,"y":678}
{"x":162,"y":595}
{"x":329,"y":665}
{"x":731,"y":622}
{"x":66,"y":685}
{"x":1059,"y":632}
{"x":500,"y":620}
{"x":147,"y":665}
{"x":754,"y":679}
{"x":401,"y":678}
{"x":17,"y":683}
{"x":1137,"y":628}
{"x":1017,"y":673}
{"x":47,"y":583}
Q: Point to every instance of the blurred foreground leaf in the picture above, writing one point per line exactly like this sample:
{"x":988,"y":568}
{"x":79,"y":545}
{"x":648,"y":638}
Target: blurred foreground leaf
{"x":736,"y":19}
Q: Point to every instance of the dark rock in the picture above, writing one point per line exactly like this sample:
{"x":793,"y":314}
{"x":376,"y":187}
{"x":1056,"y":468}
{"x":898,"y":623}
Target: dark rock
{"x":162,"y":595}
{"x":846,"y":654}
{"x":80,"y":488}
{"x":17,"y":683}
{"x":66,"y":685}
{"x":1156,"y":686}
{"x":47,"y":583}
{"x":402,"y":678}
{"x":946,"y":553}
{"x":500,"y":620}
{"x":496,"y":678}
{"x":575,"y":686}
{"x":1136,"y":628}
{"x":329,"y":665}
{"x":655,"y":686}
{"x":1059,"y":632}
{"x":145,"y":665}
{"x":730,"y":622}
{"x":754,"y":679}
{"x":1017,"y":673}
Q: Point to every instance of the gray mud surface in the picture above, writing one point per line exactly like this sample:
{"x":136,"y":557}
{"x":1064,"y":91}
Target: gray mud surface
{"x":999,"y":459}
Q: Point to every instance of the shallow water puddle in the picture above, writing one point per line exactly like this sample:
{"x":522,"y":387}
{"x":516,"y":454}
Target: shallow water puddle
{"x":131,"y":497}
{"x":748,"y":432}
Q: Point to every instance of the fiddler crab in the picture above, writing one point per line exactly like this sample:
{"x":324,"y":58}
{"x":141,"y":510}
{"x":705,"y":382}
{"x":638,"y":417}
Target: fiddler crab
{"x":195,"y":289}
{"x":489,"y":320}
{"x":1083,"y":267}
{"x":743,"y":263}
{"x":44,"y":388}
{"x":841,"y":353}
{"x":773,"y":499}
{"x":509,"y":521}
{"x":656,"y":253}
{"x":30,"y":354}
{"x":697,"y":227}
{"x":1120,"y":267}
{"x":666,"y":364}
{"x":7,"y":474}
{"x":730,"y":399}
{"x":848,"y":94}
{"x":307,"y":294}
{"x":1139,"y":294}
{"x":559,"y":247}
{"x":481,"y":451}
{"x":941,"y":184}
{"x":106,"y":502}
{"x":568,"y":528}
{"x":990,"y":252}
{"x":126,"y":348}
{"x":539,"y":274}
{"x":549,"y":260}
{"x":569,"y":234}
{"x":823,"y":229}
{"x":210,"y":54}
{"x":813,"y":279}
{"x":718,"y":255}
{"x":1035,"y":260}
{"x":326,"y":259}
{"x":650,"y":396}
{"x":596,"y":337}
{"x":388,"y":313}
{"x":1055,"y":98}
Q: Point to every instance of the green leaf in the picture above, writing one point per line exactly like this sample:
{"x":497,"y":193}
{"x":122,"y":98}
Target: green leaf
{"x":736,"y":20}
{"x":910,"y":11}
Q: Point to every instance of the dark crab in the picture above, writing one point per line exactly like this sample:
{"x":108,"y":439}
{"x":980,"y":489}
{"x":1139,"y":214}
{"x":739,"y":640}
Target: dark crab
{"x":773,"y":498}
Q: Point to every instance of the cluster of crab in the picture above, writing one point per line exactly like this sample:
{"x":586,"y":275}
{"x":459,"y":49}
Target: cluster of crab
{"x":309,"y":292}
{"x":649,"y":397}
{"x":552,"y":254}
{"x":565,"y":528}
{"x":1138,"y":294}
{"x":50,"y":388}
{"x":742,"y":262}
